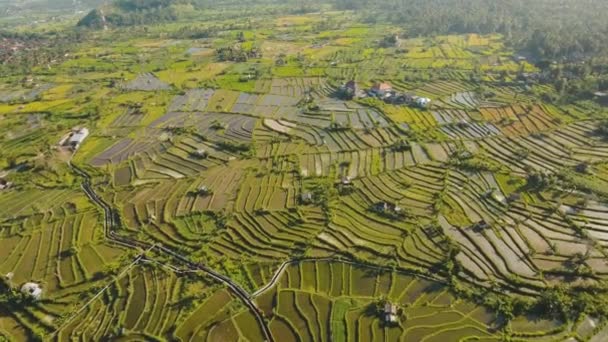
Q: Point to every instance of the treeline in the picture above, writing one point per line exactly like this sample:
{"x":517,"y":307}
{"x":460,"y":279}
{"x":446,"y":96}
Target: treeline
{"x":139,"y":5}
{"x":542,"y":28}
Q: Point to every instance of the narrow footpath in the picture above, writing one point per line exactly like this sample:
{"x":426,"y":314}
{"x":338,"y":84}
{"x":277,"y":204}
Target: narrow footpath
{"x":112,"y":223}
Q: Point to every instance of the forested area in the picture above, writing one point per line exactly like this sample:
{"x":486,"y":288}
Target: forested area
{"x":544,"y":28}
{"x":553,"y":29}
{"x":134,"y":5}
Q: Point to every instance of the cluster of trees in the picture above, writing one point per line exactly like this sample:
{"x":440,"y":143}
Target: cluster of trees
{"x":602,"y":129}
{"x":95,"y":18}
{"x":572,"y":80}
{"x":139,"y":5}
{"x":236,"y":54}
{"x":37,"y":48}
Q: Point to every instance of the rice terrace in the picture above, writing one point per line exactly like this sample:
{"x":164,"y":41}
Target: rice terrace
{"x":264,"y":170}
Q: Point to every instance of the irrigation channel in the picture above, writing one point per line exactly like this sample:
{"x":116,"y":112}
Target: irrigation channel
{"x":112,"y":222}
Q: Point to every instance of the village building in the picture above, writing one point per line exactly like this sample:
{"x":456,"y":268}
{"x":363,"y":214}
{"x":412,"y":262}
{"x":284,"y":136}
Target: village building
{"x":200,"y":153}
{"x":306,"y":197}
{"x":382,"y":207}
{"x":346,"y":180}
{"x":380,"y":89}
{"x":390,"y":313}
{"x":349,"y":89}
{"x":32,"y":290}
{"x":388,"y":209}
{"x":498,"y":196}
{"x":76,"y":138}
{"x":4,"y":184}
{"x":423,"y":102}
{"x":204,"y":190}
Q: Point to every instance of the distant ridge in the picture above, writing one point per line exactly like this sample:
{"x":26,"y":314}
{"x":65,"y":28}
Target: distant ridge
{"x":131,"y":12}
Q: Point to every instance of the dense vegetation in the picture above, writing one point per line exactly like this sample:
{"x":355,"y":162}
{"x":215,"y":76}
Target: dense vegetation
{"x":544,"y":28}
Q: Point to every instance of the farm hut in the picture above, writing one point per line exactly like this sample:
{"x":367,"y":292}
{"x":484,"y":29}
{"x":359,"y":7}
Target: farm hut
{"x":4,"y":184}
{"x":77,"y":137}
{"x":351,"y":85}
{"x":346,"y":180}
{"x":390,"y":313}
{"x":379,"y":89}
{"x":387,"y":208}
{"x":306,"y":197}
{"x":200,"y":153}
{"x":33,"y":290}
{"x":382,"y":207}
{"x":499,"y":197}
{"x":204,"y":190}
{"x":349,"y":89}
{"x":423,"y":102}
{"x":9,"y":278}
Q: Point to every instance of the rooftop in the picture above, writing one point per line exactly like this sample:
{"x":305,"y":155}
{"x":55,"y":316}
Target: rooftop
{"x":32,"y":289}
{"x":383,"y":86}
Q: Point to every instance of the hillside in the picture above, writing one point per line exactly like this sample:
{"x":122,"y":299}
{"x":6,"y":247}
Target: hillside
{"x":131,"y":12}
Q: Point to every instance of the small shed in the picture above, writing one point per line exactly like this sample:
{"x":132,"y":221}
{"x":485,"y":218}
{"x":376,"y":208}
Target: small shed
{"x":33,"y":290}
{"x":4,"y":184}
{"x":346,"y":180}
{"x":200,"y":153}
{"x":306,"y":197}
{"x":390,"y":313}
{"x":77,"y":137}
{"x":381,"y":88}
{"x":423,"y":101}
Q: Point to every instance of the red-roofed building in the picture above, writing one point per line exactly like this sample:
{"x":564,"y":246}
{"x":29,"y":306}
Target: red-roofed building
{"x":381,"y":88}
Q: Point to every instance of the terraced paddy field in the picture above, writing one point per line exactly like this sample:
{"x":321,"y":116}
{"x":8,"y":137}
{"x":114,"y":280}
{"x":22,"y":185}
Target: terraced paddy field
{"x":226,"y":199}
{"x":328,"y":300}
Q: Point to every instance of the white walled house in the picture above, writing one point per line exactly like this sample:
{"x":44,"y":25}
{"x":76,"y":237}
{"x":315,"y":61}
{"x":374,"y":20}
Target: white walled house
{"x":77,"y":137}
